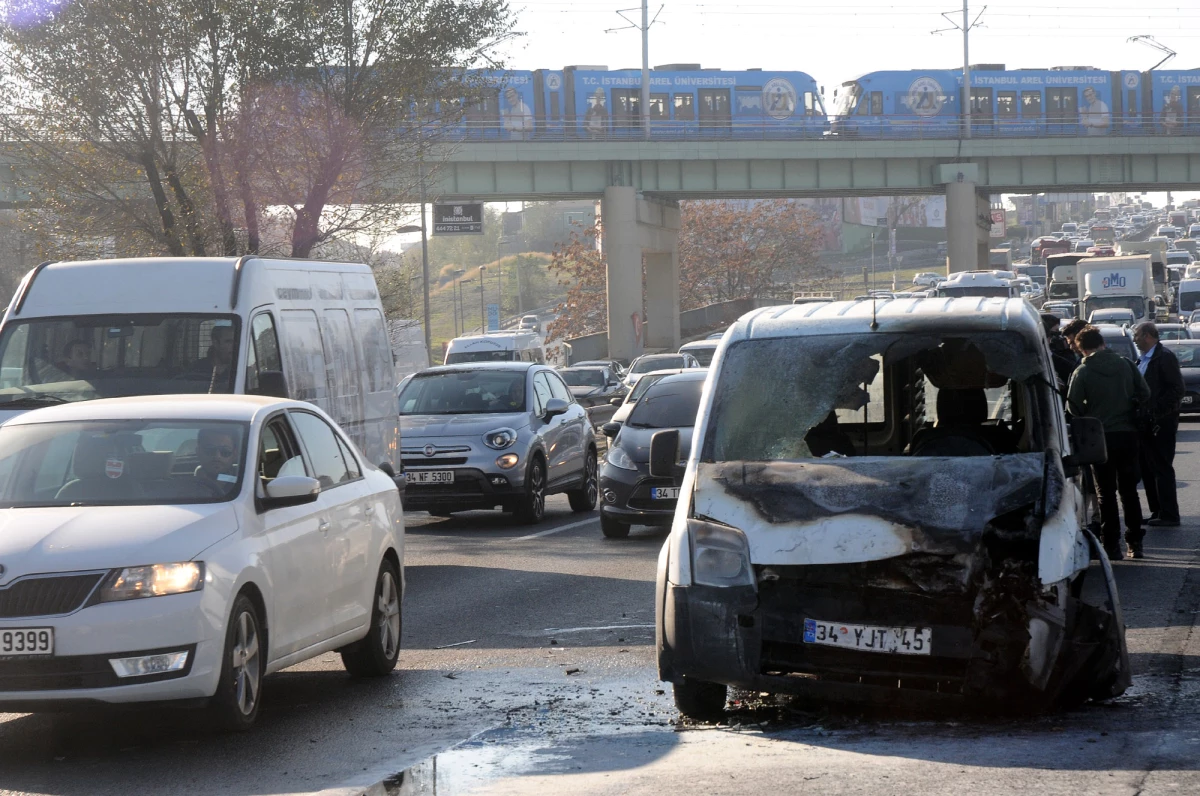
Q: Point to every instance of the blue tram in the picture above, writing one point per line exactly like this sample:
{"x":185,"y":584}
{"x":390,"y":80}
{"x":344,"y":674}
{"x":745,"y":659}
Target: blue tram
{"x":600,"y":104}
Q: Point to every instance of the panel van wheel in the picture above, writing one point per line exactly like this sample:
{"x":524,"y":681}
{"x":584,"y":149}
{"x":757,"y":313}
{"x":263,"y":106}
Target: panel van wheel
{"x":375,"y":654}
{"x":530,"y":507}
{"x":584,"y":498}
{"x":613,"y":528}
{"x":699,"y":700}
{"x":239,"y":691}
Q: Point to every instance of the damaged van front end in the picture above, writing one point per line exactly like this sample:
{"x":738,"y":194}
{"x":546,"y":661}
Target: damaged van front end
{"x":852,"y":535}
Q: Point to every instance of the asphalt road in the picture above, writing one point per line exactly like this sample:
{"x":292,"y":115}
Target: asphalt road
{"x":527,"y":668}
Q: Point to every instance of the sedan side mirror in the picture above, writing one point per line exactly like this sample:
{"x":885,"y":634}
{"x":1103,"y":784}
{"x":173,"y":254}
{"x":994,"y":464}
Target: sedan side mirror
{"x":399,"y":480}
{"x":555,"y":407}
{"x":290,"y":490}
{"x":610,"y":429}
{"x":615,"y":401}
{"x":1087,"y":444}
{"x":664,"y":455}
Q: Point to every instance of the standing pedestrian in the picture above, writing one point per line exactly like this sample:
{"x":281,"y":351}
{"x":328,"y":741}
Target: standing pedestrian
{"x":1160,"y":368}
{"x":1061,"y":355}
{"x":1106,"y":387}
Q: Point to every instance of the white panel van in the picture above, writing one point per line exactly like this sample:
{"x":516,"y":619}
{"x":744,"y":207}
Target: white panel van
{"x":306,"y":330}
{"x":507,"y":346}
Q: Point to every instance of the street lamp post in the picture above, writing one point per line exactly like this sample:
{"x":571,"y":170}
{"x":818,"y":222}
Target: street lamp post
{"x":454,"y":298}
{"x":482,"y":299}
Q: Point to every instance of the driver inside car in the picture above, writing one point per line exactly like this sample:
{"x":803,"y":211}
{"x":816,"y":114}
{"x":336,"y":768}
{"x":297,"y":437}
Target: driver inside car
{"x":217,"y":451}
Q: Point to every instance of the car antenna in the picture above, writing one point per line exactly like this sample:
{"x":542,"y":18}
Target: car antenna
{"x":874,"y":322}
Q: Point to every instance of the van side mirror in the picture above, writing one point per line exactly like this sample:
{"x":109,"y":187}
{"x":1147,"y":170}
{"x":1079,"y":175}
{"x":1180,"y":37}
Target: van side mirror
{"x":271,"y":383}
{"x":664,"y":455}
{"x":1087,"y":444}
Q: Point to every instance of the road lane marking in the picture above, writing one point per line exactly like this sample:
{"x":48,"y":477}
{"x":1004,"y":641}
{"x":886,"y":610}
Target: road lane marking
{"x":559,"y":529}
{"x":561,"y":630}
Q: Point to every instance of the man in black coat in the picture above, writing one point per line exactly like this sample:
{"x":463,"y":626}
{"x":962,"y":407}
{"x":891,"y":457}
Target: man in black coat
{"x":1160,"y":368}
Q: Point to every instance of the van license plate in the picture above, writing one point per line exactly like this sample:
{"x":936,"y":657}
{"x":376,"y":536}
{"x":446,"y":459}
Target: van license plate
{"x":664,"y":492}
{"x":25,"y":641}
{"x":869,"y":638}
{"x":427,"y":477}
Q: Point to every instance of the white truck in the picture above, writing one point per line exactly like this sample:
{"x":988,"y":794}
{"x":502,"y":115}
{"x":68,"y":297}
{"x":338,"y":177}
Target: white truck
{"x":1116,"y":282}
{"x":1157,"y":250}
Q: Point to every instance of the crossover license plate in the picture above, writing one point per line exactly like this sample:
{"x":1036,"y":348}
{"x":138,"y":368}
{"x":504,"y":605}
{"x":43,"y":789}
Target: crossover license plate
{"x":434,"y":477}
{"x":869,"y":638}
{"x":664,"y":492}
{"x":20,"y":642}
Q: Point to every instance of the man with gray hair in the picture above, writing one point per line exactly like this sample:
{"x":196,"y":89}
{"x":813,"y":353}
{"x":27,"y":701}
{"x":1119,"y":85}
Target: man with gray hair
{"x":1160,"y":368}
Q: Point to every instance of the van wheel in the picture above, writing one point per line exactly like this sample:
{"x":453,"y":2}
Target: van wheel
{"x":239,"y":691}
{"x":699,"y":700}
{"x":584,"y":498}
{"x":613,"y":528}
{"x":531,"y":507}
{"x":375,"y":654}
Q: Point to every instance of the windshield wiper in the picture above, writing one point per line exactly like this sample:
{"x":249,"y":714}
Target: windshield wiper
{"x":29,"y":401}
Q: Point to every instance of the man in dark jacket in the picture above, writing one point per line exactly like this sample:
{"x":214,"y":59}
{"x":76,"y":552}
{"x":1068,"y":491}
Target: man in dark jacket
{"x":1160,"y":368}
{"x":1105,"y":387}
{"x":1062,"y":357}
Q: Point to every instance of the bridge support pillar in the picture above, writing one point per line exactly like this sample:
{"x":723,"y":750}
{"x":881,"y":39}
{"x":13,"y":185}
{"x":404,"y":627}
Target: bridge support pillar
{"x":963,"y":241}
{"x":639,"y":232}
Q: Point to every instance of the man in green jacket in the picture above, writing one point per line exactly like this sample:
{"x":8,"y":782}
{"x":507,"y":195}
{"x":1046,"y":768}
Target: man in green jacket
{"x":1107,"y":387}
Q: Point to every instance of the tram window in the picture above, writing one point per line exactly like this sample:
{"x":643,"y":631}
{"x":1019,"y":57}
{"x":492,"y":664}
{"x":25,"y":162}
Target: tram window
{"x":685,"y":110}
{"x":1133,"y":103}
{"x":484,"y":110}
{"x":810,"y":104}
{"x":748,"y":100}
{"x":1006,"y":104}
{"x":1193,"y":104}
{"x":658,"y":106}
{"x":1062,"y":105}
{"x":1031,"y":104}
{"x":981,"y":104}
{"x":554,"y":110}
{"x":714,"y":105}
{"x":876,"y":103}
{"x":626,"y":107}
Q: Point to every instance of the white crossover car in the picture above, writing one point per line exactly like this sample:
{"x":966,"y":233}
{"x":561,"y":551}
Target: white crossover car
{"x":139,"y":564}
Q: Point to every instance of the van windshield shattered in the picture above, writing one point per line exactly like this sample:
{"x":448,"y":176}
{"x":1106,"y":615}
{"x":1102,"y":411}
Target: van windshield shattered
{"x":876,"y":394}
{"x":55,"y":360}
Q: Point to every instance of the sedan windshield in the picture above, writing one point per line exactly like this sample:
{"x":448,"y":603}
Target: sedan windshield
{"x":703,"y":354}
{"x":464,"y":392}
{"x":55,"y":360}
{"x":671,"y":404}
{"x":657,"y":362}
{"x":121,"y":463}
{"x":583,"y":377}
{"x":1188,"y":354}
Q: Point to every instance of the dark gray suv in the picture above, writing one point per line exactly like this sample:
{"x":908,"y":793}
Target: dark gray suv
{"x":482,"y":435}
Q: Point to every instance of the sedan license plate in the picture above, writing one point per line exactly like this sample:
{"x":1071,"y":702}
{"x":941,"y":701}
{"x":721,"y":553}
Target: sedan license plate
{"x":25,"y":641}
{"x":430,"y":477}
{"x":869,"y":638}
{"x":664,"y":492}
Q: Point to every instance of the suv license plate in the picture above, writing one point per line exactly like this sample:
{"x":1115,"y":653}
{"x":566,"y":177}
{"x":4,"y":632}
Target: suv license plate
{"x":664,"y":492}
{"x":430,"y":477}
{"x":25,"y":641}
{"x":869,"y":638}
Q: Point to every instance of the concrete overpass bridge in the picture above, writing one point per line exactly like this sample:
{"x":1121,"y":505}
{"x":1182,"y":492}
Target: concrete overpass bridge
{"x":641,"y":182}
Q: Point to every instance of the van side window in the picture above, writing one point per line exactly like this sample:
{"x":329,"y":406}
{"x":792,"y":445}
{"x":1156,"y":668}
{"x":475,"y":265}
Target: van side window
{"x":262,"y":354}
{"x":376,"y":352}
{"x":305,"y":356}
{"x":342,"y":366}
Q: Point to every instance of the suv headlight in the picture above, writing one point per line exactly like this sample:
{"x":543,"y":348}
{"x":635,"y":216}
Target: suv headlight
{"x":618,"y":458}
{"x":500,"y":439}
{"x":153,"y":580}
{"x":720,"y":555}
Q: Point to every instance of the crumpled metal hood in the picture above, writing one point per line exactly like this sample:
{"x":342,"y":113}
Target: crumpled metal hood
{"x":840,"y":511}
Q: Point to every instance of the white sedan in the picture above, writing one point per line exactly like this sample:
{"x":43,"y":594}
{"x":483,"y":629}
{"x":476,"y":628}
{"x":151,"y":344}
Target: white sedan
{"x":139,"y":563}
{"x":928,"y":279}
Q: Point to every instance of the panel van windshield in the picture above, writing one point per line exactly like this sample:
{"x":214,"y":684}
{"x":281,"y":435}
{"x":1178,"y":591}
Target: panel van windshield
{"x":52,"y":360}
{"x":459,"y":357}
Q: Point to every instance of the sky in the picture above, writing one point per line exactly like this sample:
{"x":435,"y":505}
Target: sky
{"x":835,"y":42}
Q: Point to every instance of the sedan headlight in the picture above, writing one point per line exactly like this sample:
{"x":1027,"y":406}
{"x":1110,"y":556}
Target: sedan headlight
{"x":500,"y":439}
{"x":618,"y":458}
{"x":153,"y":580}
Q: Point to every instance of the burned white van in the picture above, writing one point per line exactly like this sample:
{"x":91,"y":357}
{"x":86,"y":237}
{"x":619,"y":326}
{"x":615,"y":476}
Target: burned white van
{"x":882,"y":504}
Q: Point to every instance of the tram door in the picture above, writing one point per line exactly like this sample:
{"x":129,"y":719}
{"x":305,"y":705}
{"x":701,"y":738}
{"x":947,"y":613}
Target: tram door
{"x":715,"y":116}
{"x":982,"y":114}
{"x":1062,"y":110}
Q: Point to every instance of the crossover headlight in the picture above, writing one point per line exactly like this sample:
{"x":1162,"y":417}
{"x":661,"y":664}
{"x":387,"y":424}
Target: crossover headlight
{"x":720,"y":555}
{"x":153,"y":580}
{"x":500,"y":439}
{"x":618,"y":458}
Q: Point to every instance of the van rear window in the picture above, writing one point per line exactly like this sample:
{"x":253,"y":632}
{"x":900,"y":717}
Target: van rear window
{"x":458,"y":357}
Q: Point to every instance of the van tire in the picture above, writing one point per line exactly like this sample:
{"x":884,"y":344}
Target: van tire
{"x":585,"y":497}
{"x":530,"y":507}
{"x":700,"y":701}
